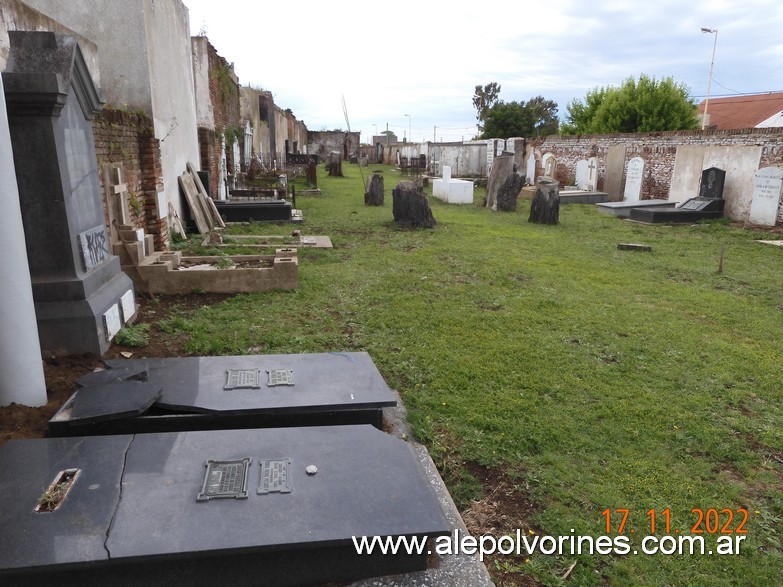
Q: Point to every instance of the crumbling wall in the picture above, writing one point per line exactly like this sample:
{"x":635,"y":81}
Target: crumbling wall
{"x":128,"y":139}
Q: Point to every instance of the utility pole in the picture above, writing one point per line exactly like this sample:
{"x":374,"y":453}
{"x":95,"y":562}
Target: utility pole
{"x":434,"y":130}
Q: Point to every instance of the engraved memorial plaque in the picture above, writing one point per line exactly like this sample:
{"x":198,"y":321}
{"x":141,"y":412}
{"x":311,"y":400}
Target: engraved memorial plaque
{"x":274,"y":476}
{"x":279,"y":377}
{"x":225,"y":480}
{"x":243,"y":379}
{"x":112,"y":322}
{"x":128,"y":305}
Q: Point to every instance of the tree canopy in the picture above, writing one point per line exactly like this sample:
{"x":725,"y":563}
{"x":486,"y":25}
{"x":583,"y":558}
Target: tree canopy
{"x":504,"y":120}
{"x":483,"y":99}
{"x":645,"y":105}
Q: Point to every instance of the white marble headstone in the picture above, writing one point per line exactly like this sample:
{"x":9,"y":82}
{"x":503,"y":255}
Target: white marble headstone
{"x":530,"y":174}
{"x":581,"y":174}
{"x":500,"y":146}
{"x":592,"y":174}
{"x":446,"y":172}
{"x":766,"y":196}
{"x":490,"y":153}
{"x":633,"y":180}
{"x":112,"y":322}
{"x":549,"y":164}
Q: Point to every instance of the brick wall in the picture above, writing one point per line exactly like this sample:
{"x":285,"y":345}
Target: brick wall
{"x":224,"y":97}
{"x":658,"y":150}
{"x":128,"y":139}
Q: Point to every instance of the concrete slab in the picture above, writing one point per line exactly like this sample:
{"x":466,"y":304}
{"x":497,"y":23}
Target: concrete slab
{"x":623,"y":209}
{"x":582,"y":197}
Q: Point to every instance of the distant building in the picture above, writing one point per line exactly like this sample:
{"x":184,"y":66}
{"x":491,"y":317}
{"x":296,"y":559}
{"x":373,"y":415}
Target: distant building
{"x":734,"y":112}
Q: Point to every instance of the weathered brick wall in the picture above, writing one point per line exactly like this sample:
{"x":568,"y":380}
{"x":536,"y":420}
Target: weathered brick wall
{"x":224,"y":97}
{"x":658,"y":150}
{"x":129,"y":139}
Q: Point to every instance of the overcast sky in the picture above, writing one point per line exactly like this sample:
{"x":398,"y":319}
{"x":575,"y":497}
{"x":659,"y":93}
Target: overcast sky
{"x":423,"y":59}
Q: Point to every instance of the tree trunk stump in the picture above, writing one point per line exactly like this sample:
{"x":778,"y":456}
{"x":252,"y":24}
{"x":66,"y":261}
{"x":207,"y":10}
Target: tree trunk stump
{"x":410,"y":207}
{"x":545,"y":208}
{"x":374,"y":194}
{"x":509,"y":192}
{"x":502,"y":167}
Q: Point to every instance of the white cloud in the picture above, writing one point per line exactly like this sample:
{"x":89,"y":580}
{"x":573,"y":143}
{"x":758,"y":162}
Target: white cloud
{"x":389,"y":62}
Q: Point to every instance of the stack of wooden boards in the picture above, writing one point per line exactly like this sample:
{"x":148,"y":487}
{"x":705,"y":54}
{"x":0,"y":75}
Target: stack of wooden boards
{"x":202,"y":207}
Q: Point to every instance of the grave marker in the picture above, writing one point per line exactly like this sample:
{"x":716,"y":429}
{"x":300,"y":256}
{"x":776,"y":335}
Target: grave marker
{"x":549,"y":164}
{"x":582,"y":174}
{"x":530,"y":174}
{"x":615,"y":166}
{"x":592,"y":174}
{"x":51,"y":101}
{"x":633,"y":180}
{"x":766,"y":196}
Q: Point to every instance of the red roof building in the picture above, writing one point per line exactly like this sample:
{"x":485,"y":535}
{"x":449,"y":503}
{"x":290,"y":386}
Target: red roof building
{"x":754,"y":111}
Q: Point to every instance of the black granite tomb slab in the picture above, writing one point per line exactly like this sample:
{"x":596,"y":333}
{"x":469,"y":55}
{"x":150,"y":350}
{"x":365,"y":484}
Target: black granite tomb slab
{"x":296,"y":531}
{"x":74,"y":534}
{"x":210,"y":393}
{"x":254,"y":210}
{"x":112,"y":401}
{"x":691,"y":210}
{"x":111,"y":375}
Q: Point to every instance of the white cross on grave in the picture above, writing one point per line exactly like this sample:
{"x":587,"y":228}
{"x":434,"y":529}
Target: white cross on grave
{"x":120,"y":189}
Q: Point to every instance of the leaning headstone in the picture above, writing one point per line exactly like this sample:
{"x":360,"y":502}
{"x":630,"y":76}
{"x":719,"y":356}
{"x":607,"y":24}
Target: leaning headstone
{"x":766,"y":196}
{"x":582,"y":174}
{"x":615,"y":165}
{"x":545,"y":208}
{"x":77,"y":283}
{"x":633,"y":180}
{"x":410,"y":206}
{"x":509,"y":192}
{"x":501,"y":170}
{"x":374,"y":194}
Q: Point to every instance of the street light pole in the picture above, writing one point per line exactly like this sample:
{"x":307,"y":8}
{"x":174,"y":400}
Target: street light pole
{"x":709,"y":83}
{"x":410,"y":139}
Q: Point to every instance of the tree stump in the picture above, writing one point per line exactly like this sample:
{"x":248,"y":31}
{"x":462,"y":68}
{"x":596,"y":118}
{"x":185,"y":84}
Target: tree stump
{"x":545,"y":208}
{"x":502,"y":167}
{"x":334,"y":166}
{"x":509,"y":192}
{"x":410,"y":207}
{"x":374,"y":194}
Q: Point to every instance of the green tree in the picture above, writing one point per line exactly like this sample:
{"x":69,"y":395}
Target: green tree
{"x":508,"y":119}
{"x":646,"y":105}
{"x":485,"y":98}
{"x":521,"y":119}
{"x":544,"y":112}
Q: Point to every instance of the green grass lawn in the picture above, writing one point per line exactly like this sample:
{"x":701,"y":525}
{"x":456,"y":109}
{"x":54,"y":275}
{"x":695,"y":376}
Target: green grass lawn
{"x":588,"y":377}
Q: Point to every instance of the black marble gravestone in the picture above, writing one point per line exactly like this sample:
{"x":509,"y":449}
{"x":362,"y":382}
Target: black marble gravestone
{"x":707,"y":205}
{"x":268,"y":507}
{"x":81,"y":296}
{"x":254,"y":210}
{"x":253,"y":391}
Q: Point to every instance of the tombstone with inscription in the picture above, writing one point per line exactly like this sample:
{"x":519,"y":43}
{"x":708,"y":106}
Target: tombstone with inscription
{"x":490,"y":155}
{"x":81,"y":296}
{"x":633,"y":188}
{"x":766,"y":196}
{"x":500,"y":146}
{"x":707,"y":205}
{"x":264,"y":507}
{"x":633,"y":180}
